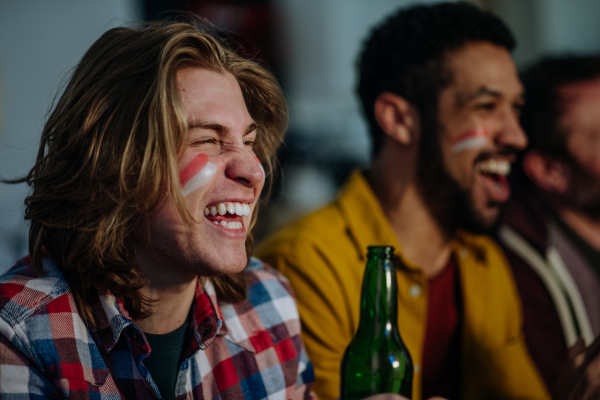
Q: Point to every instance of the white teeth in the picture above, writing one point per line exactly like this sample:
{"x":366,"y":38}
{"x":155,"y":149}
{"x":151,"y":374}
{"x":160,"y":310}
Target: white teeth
{"x":493,"y":166}
{"x":241,"y":209}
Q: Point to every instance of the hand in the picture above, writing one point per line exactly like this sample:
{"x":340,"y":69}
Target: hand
{"x":580,"y":376}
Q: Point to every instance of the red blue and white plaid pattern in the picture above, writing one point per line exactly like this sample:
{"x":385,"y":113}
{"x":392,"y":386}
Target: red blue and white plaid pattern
{"x":250,"y":349}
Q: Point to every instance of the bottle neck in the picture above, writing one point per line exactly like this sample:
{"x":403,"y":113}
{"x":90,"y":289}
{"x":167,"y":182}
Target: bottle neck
{"x":378,"y":308}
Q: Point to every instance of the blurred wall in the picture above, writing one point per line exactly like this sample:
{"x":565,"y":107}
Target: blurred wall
{"x":550,"y":26}
{"x":40,"y":41}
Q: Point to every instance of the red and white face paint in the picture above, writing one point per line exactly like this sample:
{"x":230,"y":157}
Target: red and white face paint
{"x":472,"y":139}
{"x":196,"y":174}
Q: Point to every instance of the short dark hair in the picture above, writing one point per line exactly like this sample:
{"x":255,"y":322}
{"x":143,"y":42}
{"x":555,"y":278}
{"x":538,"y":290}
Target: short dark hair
{"x":405,"y":55}
{"x":541,"y":114}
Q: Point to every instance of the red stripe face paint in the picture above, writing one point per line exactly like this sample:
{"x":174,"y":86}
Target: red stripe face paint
{"x":470,"y":140}
{"x":196,"y":174}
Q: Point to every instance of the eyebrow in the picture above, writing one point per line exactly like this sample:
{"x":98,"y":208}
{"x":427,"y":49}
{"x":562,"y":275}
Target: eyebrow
{"x":484,"y":91}
{"x":220,"y":129}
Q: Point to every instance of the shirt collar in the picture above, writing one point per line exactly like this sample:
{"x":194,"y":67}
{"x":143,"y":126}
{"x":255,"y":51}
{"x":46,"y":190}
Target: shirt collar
{"x":367,"y":222}
{"x":369,"y":226}
{"x":208,"y":321}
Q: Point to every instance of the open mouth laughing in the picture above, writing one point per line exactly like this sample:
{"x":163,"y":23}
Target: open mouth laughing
{"x":228,"y":214}
{"x":492,"y":172}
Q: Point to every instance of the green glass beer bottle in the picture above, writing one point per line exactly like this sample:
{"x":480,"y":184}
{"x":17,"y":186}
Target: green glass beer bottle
{"x":376,"y":360}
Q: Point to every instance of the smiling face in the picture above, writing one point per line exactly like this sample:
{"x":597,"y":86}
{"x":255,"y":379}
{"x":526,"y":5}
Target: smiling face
{"x":580,"y":119}
{"x":220,"y":176}
{"x":478,"y":128}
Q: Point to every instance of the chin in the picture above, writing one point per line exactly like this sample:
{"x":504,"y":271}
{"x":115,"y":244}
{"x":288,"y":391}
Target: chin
{"x":483,"y":221}
{"x":222,"y":264}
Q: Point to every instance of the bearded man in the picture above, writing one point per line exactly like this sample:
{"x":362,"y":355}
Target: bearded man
{"x":442,"y":98}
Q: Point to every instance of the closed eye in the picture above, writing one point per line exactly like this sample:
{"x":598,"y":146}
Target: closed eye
{"x":486,"y":106}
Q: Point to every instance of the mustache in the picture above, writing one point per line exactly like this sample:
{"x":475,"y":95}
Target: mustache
{"x":508,"y":151}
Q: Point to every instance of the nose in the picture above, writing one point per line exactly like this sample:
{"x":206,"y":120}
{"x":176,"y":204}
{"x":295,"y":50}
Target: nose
{"x":511,"y":133}
{"x":245,"y":168}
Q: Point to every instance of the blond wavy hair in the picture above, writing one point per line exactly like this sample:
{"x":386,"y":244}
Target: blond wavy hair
{"x":109,"y":150}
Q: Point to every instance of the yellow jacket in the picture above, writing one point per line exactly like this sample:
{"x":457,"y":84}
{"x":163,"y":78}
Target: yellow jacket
{"x":324,"y":255}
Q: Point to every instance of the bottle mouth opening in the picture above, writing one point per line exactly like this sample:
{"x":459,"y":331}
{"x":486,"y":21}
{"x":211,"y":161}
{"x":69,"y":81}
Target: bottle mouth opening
{"x":382,"y":251}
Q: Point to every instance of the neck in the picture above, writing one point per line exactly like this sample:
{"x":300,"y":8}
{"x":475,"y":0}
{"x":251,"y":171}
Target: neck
{"x":172,"y":294}
{"x":587,"y":228}
{"x":421,"y":237}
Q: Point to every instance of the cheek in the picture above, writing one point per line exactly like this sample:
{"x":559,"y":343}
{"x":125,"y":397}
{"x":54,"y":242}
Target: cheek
{"x":196,"y":173}
{"x":469,"y":140}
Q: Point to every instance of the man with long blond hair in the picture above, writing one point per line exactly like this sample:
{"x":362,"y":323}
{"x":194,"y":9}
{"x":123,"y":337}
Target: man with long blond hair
{"x":143,"y":197}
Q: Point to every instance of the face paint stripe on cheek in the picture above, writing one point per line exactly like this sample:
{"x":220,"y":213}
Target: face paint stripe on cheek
{"x":192,"y":168}
{"x":196,"y":174}
{"x":471,"y":139}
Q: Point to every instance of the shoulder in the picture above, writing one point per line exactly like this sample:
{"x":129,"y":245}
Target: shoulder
{"x":309,"y":228}
{"x":25,"y":292}
{"x":310,"y":242}
{"x":35,"y":309}
{"x":265,"y":284}
{"x":269,"y":307}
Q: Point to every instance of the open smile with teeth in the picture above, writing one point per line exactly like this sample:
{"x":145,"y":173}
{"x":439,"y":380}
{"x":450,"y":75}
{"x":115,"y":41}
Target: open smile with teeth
{"x":228,"y":215}
{"x":494,"y":167}
{"x":492,"y":174}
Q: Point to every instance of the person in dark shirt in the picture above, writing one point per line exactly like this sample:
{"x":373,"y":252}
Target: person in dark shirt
{"x":551,"y":230}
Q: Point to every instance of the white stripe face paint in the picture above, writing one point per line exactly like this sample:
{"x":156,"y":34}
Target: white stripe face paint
{"x":472,"y":139}
{"x":467,"y":144}
{"x":196,"y":174}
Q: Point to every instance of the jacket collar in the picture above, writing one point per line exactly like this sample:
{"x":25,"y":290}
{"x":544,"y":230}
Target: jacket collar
{"x":113,"y":319}
{"x":368,"y":225}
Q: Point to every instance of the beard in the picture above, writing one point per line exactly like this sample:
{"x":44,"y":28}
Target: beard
{"x":452,"y":207}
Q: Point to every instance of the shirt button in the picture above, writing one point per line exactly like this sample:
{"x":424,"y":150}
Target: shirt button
{"x":414,"y":291}
{"x":204,"y":332}
{"x":136,"y":336}
{"x":416,"y":368}
{"x":463,"y":253}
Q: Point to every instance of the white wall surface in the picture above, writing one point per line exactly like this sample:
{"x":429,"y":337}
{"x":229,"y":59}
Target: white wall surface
{"x":40,"y":41}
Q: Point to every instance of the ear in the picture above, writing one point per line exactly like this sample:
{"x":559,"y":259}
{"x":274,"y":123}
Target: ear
{"x":545,"y":171}
{"x":397,"y":117}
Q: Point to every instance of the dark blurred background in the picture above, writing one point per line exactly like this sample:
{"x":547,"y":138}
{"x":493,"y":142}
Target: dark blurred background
{"x":310,"y":45}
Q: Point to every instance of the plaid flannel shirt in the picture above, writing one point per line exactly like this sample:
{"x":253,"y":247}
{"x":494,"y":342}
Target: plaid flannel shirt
{"x":250,"y":349}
